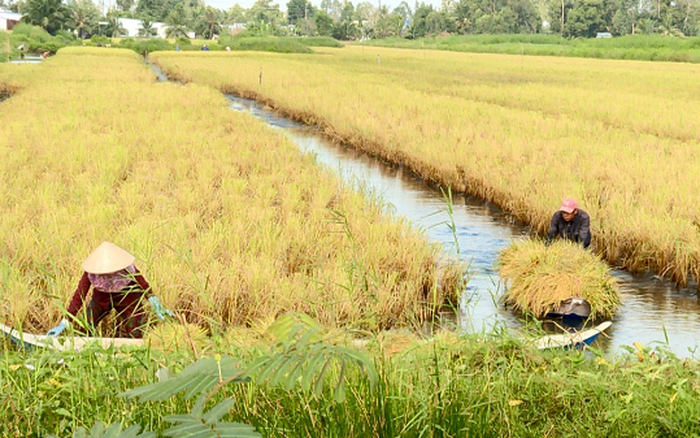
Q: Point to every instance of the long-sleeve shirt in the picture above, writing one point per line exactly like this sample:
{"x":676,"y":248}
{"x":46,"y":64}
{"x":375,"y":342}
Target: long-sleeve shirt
{"x":578,"y":229}
{"x":133,"y":292}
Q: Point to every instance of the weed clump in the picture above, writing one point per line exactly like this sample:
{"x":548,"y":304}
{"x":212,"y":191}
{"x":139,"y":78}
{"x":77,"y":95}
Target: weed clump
{"x":541,"y":277}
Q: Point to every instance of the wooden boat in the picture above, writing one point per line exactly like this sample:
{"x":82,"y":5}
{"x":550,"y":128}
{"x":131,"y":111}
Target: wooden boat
{"x":29,"y":340}
{"x":579,"y":339}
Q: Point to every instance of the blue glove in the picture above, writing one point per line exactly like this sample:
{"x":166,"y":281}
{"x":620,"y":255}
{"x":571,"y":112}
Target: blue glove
{"x":58,"y":329}
{"x":159,"y":309}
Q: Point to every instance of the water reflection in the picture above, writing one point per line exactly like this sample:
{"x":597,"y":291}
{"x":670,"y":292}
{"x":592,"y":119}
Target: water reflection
{"x":653,"y":309}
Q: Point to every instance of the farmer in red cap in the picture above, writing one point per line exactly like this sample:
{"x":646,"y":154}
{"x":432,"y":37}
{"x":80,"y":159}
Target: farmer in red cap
{"x":571,"y":223}
{"x":116,"y":284}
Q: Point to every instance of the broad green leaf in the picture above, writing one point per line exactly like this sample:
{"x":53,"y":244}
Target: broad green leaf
{"x":191,"y":427}
{"x":318,"y":386}
{"x":218,"y":411}
{"x":309,"y":373}
{"x":114,"y":431}
{"x":199,"y":377}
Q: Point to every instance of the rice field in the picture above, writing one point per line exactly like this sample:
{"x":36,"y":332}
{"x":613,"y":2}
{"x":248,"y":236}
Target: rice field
{"x":520,"y":131}
{"x":230,"y":224}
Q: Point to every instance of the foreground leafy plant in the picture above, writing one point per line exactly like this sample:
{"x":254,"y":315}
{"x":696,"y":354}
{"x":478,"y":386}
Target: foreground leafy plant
{"x":301,"y":356}
{"x":99,"y":430}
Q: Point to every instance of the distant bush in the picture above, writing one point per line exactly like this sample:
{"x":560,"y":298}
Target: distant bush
{"x":100,"y":40}
{"x":35,"y":39}
{"x":271,"y":44}
{"x":638,"y":47}
{"x":66,"y":35}
{"x":245,"y":41}
{"x":319,"y":41}
{"x":145,"y":45}
{"x":183,"y":41}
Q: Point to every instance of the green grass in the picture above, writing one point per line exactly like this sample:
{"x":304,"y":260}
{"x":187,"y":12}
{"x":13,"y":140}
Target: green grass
{"x":487,"y":386}
{"x":638,"y":47}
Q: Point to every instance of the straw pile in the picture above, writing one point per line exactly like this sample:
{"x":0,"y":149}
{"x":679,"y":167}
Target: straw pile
{"x":540,"y":277}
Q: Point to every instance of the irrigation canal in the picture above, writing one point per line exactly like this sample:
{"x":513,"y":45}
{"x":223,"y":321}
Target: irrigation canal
{"x":653,"y":309}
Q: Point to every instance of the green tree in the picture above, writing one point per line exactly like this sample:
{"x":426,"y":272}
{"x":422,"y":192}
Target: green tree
{"x":388,"y":24}
{"x":305,"y":27}
{"x":464,"y":16}
{"x":155,"y":10}
{"x":263,"y":11}
{"x":147,"y":28}
{"x":558,"y":14}
{"x":48,"y":14}
{"x":689,"y":16}
{"x":586,"y":19}
{"x":345,"y":28}
{"x":83,"y":17}
{"x":625,"y":16}
{"x":236,"y":14}
{"x":419,"y":28}
{"x":333,"y":8}
{"x":208,"y":23}
{"x":299,"y":10}
{"x":114,"y":29}
{"x":324,"y":23}
{"x":125,"y":5}
{"x":404,"y":10}
{"x":177,"y":22}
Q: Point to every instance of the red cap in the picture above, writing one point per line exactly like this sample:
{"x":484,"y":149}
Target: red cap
{"x":568,"y":205}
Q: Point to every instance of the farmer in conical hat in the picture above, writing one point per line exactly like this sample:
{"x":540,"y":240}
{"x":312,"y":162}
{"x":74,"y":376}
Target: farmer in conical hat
{"x":118,"y":285}
{"x":570,"y":223}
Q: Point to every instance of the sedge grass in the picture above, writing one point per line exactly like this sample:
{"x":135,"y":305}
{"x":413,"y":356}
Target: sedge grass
{"x":541,"y":276}
{"x":229,"y":222}
{"x":521,"y":132}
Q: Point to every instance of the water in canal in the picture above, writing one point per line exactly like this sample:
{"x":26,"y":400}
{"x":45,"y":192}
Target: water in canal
{"x":653,"y":309}
{"x":654,"y":312}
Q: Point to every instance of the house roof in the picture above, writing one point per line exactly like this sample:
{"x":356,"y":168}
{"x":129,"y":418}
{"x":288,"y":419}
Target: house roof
{"x":8,"y":15}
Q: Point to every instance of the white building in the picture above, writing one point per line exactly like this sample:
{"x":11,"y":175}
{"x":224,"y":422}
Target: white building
{"x":9,"y":19}
{"x":133,"y":27}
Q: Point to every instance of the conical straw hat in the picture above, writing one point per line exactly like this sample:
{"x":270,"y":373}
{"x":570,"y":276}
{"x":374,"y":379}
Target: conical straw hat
{"x":107,"y":258}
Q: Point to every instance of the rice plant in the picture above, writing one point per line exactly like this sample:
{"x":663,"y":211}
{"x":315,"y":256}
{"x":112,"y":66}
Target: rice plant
{"x":520,"y":132}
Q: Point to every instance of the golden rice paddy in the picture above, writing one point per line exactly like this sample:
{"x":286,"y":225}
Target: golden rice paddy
{"x":523,"y":132}
{"x":229,"y":222}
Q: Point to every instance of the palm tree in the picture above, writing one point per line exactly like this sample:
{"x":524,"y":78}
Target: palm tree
{"x":49,"y":14}
{"x":668,"y":28}
{"x":83,"y":17}
{"x":177,"y":22}
{"x":147,"y":29}
{"x":208,"y":23}
{"x":114,"y":28}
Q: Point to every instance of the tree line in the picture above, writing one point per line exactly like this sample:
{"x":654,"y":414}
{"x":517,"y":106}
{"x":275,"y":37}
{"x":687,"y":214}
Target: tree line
{"x":346,"y":21}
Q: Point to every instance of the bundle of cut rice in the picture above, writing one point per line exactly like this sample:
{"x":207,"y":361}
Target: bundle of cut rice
{"x":540,"y":277}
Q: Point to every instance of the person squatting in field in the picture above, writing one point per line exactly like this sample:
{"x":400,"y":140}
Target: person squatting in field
{"x":117,"y":284}
{"x":570,"y":223}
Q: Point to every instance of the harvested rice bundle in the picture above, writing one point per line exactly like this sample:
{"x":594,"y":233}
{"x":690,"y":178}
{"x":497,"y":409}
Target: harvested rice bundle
{"x":540,"y":277}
